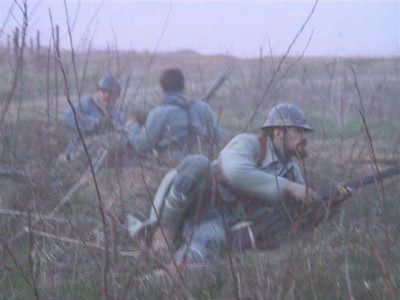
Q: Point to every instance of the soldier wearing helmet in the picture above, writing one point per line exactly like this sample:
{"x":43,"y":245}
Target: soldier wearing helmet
{"x":252,"y":172}
{"x":96,"y":114}
{"x":289,"y":120}
{"x":108,"y":90}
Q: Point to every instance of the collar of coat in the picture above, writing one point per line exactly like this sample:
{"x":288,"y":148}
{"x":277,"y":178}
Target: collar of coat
{"x":174,"y":98}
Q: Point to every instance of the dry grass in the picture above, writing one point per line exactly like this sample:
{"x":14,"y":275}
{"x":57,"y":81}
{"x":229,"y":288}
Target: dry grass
{"x":356,"y":254}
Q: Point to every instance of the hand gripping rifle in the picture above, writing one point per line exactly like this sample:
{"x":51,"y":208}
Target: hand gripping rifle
{"x":266,"y":227}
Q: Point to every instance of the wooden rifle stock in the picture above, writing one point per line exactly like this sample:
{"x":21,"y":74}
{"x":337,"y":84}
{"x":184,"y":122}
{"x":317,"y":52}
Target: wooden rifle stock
{"x":272,"y":222}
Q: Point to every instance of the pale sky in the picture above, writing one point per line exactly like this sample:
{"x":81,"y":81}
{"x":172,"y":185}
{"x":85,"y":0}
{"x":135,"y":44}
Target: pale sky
{"x":240,"y":28}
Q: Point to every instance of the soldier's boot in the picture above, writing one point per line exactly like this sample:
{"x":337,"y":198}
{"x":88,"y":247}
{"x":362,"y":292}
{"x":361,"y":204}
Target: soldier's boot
{"x":187,"y":185}
{"x":175,"y":206}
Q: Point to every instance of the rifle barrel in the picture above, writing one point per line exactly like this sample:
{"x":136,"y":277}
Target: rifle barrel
{"x":359,"y":182}
{"x":273,"y":220}
{"x":211,"y":91}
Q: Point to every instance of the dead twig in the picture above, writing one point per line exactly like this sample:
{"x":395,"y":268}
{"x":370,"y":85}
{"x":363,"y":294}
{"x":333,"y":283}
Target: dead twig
{"x":30,"y":257}
{"x":19,"y":61}
{"x":278,"y":68}
{"x":372,"y":151}
{"x":386,"y":272}
{"x":17,"y":176}
{"x":153,"y":55}
{"x":169,"y":246}
{"x":37,"y":216}
{"x":347,"y":274}
{"x":67,"y":196}
{"x":17,"y":264}
{"x":364,"y":160}
{"x":309,"y":273}
{"x":126,"y":252}
{"x":99,"y":199}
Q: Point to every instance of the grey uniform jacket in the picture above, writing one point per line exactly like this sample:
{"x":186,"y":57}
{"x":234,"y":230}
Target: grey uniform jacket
{"x":266,"y":181}
{"x":173,"y":125}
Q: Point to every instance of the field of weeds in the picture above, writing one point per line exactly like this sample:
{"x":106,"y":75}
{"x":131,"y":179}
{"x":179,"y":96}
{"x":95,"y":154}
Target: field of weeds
{"x":54,"y":229}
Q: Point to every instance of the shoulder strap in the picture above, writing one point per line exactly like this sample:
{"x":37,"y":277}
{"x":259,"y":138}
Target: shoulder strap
{"x":186,"y":107}
{"x":262,"y":144}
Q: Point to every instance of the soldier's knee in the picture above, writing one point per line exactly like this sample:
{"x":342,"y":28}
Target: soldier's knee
{"x":195,"y":167}
{"x":193,"y":174}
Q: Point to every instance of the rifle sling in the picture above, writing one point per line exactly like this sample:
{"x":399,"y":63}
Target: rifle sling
{"x":262,"y":146}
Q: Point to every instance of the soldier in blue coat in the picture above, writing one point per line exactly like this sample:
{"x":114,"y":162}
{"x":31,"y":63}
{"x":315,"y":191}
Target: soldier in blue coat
{"x":96,"y":115}
{"x":178,"y":126}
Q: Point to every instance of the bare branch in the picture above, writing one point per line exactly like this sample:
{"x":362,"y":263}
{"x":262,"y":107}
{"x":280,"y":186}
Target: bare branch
{"x":152,"y":58}
{"x":30,"y":257}
{"x":275,"y":73}
{"x":19,"y":62}
{"x":371,"y":148}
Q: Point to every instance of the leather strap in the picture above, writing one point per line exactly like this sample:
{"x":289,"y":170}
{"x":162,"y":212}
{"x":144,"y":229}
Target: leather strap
{"x":262,"y":145}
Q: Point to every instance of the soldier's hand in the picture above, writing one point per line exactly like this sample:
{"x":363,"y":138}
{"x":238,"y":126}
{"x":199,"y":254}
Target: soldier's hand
{"x":302,"y":193}
{"x":138,"y":116}
{"x":342,"y":193}
{"x":89,"y":124}
{"x":102,"y":125}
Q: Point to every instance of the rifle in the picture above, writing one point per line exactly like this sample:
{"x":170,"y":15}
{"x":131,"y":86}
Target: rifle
{"x":269,"y":225}
{"x":220,"y":80}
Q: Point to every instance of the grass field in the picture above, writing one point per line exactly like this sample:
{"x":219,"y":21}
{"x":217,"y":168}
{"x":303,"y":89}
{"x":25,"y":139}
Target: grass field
{"x":355,"y":255}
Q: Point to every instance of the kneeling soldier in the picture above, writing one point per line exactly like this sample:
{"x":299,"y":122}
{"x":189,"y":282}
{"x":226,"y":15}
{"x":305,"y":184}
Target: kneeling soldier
{"x":206,"y":199}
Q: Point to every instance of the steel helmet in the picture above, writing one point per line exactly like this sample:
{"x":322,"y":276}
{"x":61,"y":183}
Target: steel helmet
{"x":109,"y":83}
{"x":286,"y":114}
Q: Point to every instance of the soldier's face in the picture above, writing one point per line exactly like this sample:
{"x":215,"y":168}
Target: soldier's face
{"x":295,"y":142}
{"x":107,"y":98}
